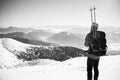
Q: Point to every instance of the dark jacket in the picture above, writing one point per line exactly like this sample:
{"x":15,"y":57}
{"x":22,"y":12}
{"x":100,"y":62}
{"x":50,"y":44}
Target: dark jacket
{"x":101,"y":37}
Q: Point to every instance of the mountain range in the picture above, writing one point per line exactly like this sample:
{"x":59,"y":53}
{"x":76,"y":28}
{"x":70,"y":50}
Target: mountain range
{"x":22,"y":37}
{"x":71,"y":37}
{"x":67,"y":39}
{"x":58,"y":46}
{"x":15,"y":29}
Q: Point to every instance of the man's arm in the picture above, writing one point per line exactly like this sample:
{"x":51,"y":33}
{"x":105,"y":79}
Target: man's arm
{"x":87,"y":40}
{"x":91,"y":56}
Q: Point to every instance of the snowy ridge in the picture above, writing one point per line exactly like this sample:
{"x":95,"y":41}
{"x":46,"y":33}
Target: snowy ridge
{"x":10,"y":47}
{"x":7,"y":59}
{"x":14,"y":45}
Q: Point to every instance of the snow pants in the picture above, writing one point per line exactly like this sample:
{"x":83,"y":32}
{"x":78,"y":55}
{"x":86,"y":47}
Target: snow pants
{"x":91,"y":63}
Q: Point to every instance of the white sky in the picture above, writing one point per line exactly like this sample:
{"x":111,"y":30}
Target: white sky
{"x":24,"y":13}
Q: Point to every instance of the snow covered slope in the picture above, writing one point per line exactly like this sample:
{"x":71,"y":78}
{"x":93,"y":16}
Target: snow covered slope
{"x":72,"y":69}
{"x":7,"y":52}
{"x":7,"y":59}
{"x":10,"y":47}
{"x":14,"y":45}
{"x":28,"y":52}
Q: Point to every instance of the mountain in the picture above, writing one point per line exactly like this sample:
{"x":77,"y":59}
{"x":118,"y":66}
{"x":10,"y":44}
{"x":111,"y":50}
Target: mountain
{"x":112,"y":33}
{"x":19,"y":36}
{"x":113,"y":37}
{"x":39,"y":34}
{"x":15,"y":29}
{"x":67,"y":39}
{"x":23,"y":37}
{"x":36,"y":34}
{"x":71,"y":37}
{"x":32,"y":41}
{"x":15,"y":34}
{"x":112,"y":29}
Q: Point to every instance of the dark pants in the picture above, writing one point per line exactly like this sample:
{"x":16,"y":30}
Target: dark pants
{"x":91,"y":63}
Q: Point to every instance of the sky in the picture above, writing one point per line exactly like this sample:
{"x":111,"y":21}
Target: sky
{"x":31,"y":13}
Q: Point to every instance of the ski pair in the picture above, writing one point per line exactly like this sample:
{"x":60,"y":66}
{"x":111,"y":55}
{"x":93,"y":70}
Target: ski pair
{"x":93,"y":16}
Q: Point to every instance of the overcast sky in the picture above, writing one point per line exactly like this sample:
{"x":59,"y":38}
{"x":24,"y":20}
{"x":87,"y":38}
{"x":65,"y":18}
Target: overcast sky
{"x":25,"y":13}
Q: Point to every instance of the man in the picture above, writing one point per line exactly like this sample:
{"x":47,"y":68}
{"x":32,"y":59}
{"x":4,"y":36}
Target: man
{"x":95,"y":50}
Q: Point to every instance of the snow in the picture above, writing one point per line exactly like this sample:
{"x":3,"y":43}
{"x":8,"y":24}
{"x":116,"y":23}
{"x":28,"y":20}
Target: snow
{"x":114,"y":46}
{"x":11,"y":44}
{"x":72,"y":69}
{"x":45,"y":69}
{"x":8,"y":48}
{"x":110,"y":68}
{"x":7,"y":59}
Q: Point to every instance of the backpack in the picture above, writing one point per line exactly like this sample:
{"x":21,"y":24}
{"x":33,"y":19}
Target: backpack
{"x":98,"y":45}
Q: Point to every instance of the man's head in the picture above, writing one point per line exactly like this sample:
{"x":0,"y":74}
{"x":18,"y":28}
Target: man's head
{"x":94,"y":27}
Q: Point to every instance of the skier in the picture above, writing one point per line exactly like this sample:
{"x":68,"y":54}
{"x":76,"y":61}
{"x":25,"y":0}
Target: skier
{"x":96,"y":42}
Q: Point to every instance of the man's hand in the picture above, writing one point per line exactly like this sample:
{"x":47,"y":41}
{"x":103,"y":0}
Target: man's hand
{"x":91,"y":56}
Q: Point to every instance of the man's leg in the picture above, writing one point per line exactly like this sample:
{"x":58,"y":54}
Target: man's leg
{"x":96,"y":71}
{"x":89,"y":68}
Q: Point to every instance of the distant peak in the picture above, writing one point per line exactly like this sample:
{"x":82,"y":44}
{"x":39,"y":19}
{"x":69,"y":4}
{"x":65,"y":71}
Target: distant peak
{"x":11,"y":27}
